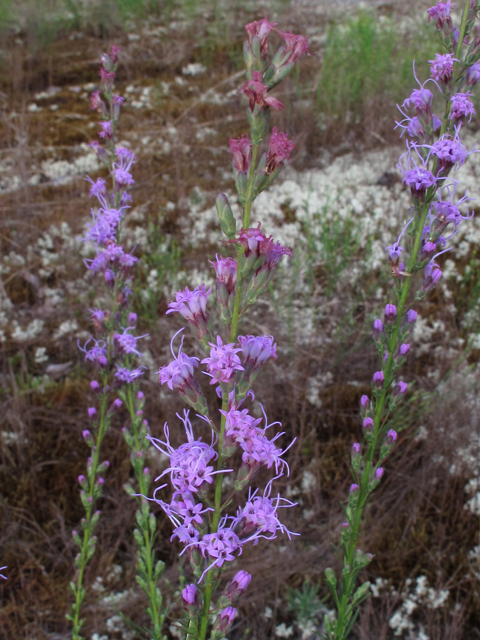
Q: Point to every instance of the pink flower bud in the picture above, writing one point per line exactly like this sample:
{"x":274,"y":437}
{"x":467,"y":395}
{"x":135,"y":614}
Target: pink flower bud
{"x":368,"y":424}
{"x":94,"y":386}
{"x":91,"y":412}
{"x":354,"y":487}
{"x":379,"y":473}
{"x":391,"y":437}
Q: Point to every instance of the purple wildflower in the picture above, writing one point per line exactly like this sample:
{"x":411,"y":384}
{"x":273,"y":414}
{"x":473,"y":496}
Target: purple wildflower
{"x":192,"y":305}
{"x":391,"y":437}
{"x":420,"y":99}
{"x":256,"y":350}
{"x":462,"y":107}
{"x":106,"y":131}
{"x":378,"y":473}
{"x":123,"y":375}
{"x":97,"y":353}
{"x":368,"y":424}
{"x":440,"y":13}
{"x":432,"y":275}
{"x":223,"y":361}
{"x":473,"y":74}
{"x":190,"y":597}
{"x":127,"y":343}
{"x":442,"y":67}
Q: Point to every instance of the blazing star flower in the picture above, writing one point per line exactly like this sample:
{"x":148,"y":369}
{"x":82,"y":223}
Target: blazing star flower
{"x":260,"y":29}
{"x":462,"y":107}
{"x":223,"y":361}
{"x":432,"y":275}
{"x":473,"y":74}
{"x":450,"y":153}
{"x":419,"y":180}
{"x":237,"y":585}
{"x":127,"y":343}
{"x":97,"y":103}
{"x":220,"y":546}
{"x":106,"y":131}
{"x":279,"y":150}
{"x":98,"y":187}
{"x":394,"y":253}
{"x":226,"y":272}
{"x":256,"y":93}
{"x":192,"y":305}
{"x":242,"y":153}
{"x":273,"y":252}
{"x":126,"y":376}
{"x":259,"y":517}
{"x":256,"y":350}
{"x":442,"y":67}
{"x":252,"y":240}
{"x":97,"y":353}
{"x":420,"y":99}
{"x":295,"y":46}
{"x":440,"y":13}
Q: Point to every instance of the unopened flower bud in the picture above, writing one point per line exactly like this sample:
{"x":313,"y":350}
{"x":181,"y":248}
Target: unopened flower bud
{"x":391,"y":437}
{"x":379,"y":473}
{"x":225,"y":620}
{"x":132,"y":319}
{"x":365,"y":402}
{"x":404,"y":349}
{"x":368,"y":424}
{"x":238,"y":585}
{"x":109,"y":278}
{"x":356,"y":449}
{"x":94,"y":386}
{"x":390,"y":313}
{"x":378,"y":379}
{"x":91,"y":412}
{"x":140,"y":395}
{"x":190,"y":598}
{"x":400,"y":389}
{"x":116,"y":404}
{"x":377,"y":329}
{"x":411,"y":316}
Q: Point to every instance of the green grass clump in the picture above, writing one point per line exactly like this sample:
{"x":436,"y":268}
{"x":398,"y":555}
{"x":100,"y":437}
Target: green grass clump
{"x":367,"y":64}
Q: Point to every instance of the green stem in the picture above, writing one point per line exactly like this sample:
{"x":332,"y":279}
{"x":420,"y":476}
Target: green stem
{"x":379,"y":406}
{"x":147,"y":537}
{"x":240,"y":252}
{"x":207,"y":598}
{"x":88,"y":529}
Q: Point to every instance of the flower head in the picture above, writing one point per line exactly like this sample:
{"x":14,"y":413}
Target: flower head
{"x":462,"y":107}
{"x":242,"y":153}
{"x":223,"y":361}
{"x":442,"y":67}
{"x":440,"y":13}
{"x":256,"y":350}
{"x":192,"y":305}
{"x":256,"y":93}
{"x":473,"y":74}
{"x":295,"y":46}
{"x":260,"y":29}
{"x":279,"y":150}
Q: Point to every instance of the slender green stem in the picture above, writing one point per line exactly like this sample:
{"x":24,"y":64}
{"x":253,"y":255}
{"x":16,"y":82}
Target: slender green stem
{"x":379,"y":406}
{"x":215,"y":520}
{"x":88,"y":529}
{"x":143,"y":484}
{"x":462,"y":28}
{"x":240,"y":252}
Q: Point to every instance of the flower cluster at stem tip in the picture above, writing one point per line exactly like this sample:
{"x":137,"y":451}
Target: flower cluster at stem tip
{"x":239,"y":444}
{"x":434,"y":149}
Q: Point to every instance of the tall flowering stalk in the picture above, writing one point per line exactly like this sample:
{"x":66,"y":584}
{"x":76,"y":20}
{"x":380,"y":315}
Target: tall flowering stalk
{"x":114,"y":352}
{"x":434,"y":150}
{"x":237,"y":444}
